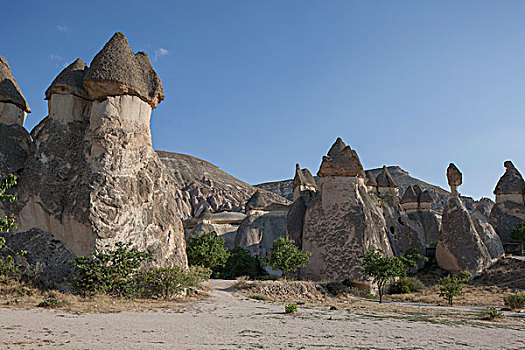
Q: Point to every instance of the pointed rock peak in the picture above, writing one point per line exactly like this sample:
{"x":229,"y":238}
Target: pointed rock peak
{"x":337,"y":147}
{"x":417,"y":190}
{"x":303,"y":177}
{"x":205,"y":213}
{"x":371,"y":180}
{"x":384,"y":179}
{"x":511,"y":182}
{"x":70,"y":81}
{"x":9,"y":89}
{"x":410,"y":196}
{"x":256,"y":201}
{"x":341,"y":160}
{"x":454,"y":176}
{"x":426,"y":197}
{"x":115,"y":70}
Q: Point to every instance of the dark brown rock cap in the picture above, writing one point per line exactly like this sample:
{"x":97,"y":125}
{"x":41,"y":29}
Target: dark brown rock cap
{"x":454,"y":176}
{"x":115,"y":70}
{"x":303,"y":177}
{"x":70,"y":81}
{"x":385,"y":179}
{"x":341,"y":160}
{"x":410,"y":196}
{"x":426,"y":197}
{"x":9,"y":89}
{"x":256,"y":201}
{"x":511,"y":181}
{"x":370,"y":179}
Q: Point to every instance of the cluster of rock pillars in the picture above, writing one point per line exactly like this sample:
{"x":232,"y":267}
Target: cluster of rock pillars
{"x":89,"y":177}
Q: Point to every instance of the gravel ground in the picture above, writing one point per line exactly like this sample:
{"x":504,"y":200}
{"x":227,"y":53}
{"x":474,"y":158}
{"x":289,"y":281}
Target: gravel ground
{"x":228,"y":320}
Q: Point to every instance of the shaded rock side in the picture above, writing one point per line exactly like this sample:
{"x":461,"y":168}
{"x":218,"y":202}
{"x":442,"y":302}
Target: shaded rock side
{"x":459,"y":245}
{"x":202,"y":183}
{"x":404,"y":231}
{"x":341,"y":223}
{"x":9,"y":90}
{"x":15,"y":148}
{"x":295,"y":219}
{"x":487,"y":234}
{"x":260,"y":229}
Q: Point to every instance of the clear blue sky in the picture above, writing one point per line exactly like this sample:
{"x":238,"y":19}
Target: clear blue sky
{"x":256,"y":86}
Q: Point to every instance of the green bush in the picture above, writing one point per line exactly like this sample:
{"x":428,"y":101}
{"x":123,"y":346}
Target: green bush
{"x":515,"y":301}
{"x":113,"y":271}
{"x":290,"y":308}
{"x":259,"y":297}
{"x":48,"y":303}
{"x":383,"y":269}
{"x":406,"y":285}
{"x":491,"y":314}
{"x":242,"y":263}
{"x":207,"y":250}
{"x":169,"y":282}
{"x":8,"y":267}
{"x":451,"y":286}
{"x":286,"y":257}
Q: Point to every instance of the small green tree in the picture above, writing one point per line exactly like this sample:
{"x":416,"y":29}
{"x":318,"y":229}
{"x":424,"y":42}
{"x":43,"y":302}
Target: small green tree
{"x":518,"y":234}
{"x":7,"y":262}
{"x":383,"y":269}
{"x":286,"y":257}
{"x":451,"y":286}
{"x":207,"y":250}
{"x":242,"y":263}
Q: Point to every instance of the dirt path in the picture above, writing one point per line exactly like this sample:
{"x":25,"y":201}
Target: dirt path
{"x":228,"y":320}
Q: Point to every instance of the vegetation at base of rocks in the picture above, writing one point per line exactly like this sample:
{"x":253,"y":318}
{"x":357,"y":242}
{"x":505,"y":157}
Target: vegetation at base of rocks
{"x":518,"y":234}
{"x":286,"y":257}
{"x":290,"y":308}
{"x":119,"y":272}
{"x":333,"y":307}
{"x":515,"y":301}
{"x":207,"y":250}
{"x":406,"y":285}
{"x":242,"y":263}
{"x":491,"y":314}
{"x":382,"y":269}
{"x":451,"y":286}
{"x":259,"y":297}
{"x":48,"y":303}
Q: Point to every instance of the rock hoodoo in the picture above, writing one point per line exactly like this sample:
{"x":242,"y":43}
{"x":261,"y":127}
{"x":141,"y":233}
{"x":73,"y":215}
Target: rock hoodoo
{"x":303,"y":183}
{"x":460,"y":247}
{"x":342,"y":221}
{"x":94,"y":178}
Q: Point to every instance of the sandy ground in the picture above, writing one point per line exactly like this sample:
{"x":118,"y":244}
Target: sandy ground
{"x":229,"y":320}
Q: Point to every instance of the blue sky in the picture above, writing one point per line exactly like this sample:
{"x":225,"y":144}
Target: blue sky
{"x":257,"y":86}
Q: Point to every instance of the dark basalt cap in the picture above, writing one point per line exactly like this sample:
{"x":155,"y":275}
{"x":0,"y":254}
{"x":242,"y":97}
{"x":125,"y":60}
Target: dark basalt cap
{"x":384,"y":179}
{"x":341,"y":161}
{"x":511,"y":181}
{"x":256,"y":201}
{"x":303,"y":177}
{"x":371,"y":180}
{"x":417,"y":190}
{"x":115,"y":70}
{"x":70,"y":81}
{"x":426,"y":197}
{"x":454,"y":176}
{"x":9,"y":89}
{"x":410,"y":196}
{"x":205,"y":213}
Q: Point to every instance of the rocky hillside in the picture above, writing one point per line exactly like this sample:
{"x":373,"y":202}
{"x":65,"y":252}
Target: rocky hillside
{"x":403,"y":178}
{"x":201,"y":182}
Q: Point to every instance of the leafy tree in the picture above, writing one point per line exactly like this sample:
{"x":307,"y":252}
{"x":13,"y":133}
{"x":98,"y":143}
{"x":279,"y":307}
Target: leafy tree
{"x":207,"y":250}
{"x":242,"y":263}
{"x":383,"y":269}
{"x":518,"y":234}
{"x":451,"y":286}
{"x":285,"y":256}
{"x":7,"y":262}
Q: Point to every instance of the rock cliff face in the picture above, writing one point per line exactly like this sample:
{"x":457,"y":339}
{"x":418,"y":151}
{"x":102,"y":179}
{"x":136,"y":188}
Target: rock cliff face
{"x":202,"y":183}
{"x":342,"y":222}
{"x":94,"y":178}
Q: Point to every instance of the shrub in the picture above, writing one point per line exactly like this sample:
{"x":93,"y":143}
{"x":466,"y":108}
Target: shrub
{"x":406,"y":285}
{"x":451,"y":286}
{"x":259,"y":297}
{"x":207,"y":250}
{"x":241,"y":263}
{"x":290,"y":308}
{"x":285,"y":256}
{"x":515,"y":301}
{"x":48,"y":303}
{"x":382,"y":269}
{"x":491,"y":314}
{"x":113,"y":271}
{"x":518,"y":234}
{"x":333,"y":307}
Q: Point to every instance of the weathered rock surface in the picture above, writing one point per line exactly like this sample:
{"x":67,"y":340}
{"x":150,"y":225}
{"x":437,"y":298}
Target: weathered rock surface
{"x":487,"y":233}
{"x":9,"y":90}
{"x":295,"y":219}
{"x":202,"y":183}
{"x":459,"y":246}
{"x":341,"y":161}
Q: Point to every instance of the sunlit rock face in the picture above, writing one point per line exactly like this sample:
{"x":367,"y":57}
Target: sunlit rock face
{"x":342,"y":221}
{"x":94,"y":178}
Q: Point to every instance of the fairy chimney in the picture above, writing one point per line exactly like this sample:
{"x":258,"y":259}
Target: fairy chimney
{"x":454,"y":178}
{"x":303,"y":183}
{"x":13,"y":105}
{"x":510,"y":187}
